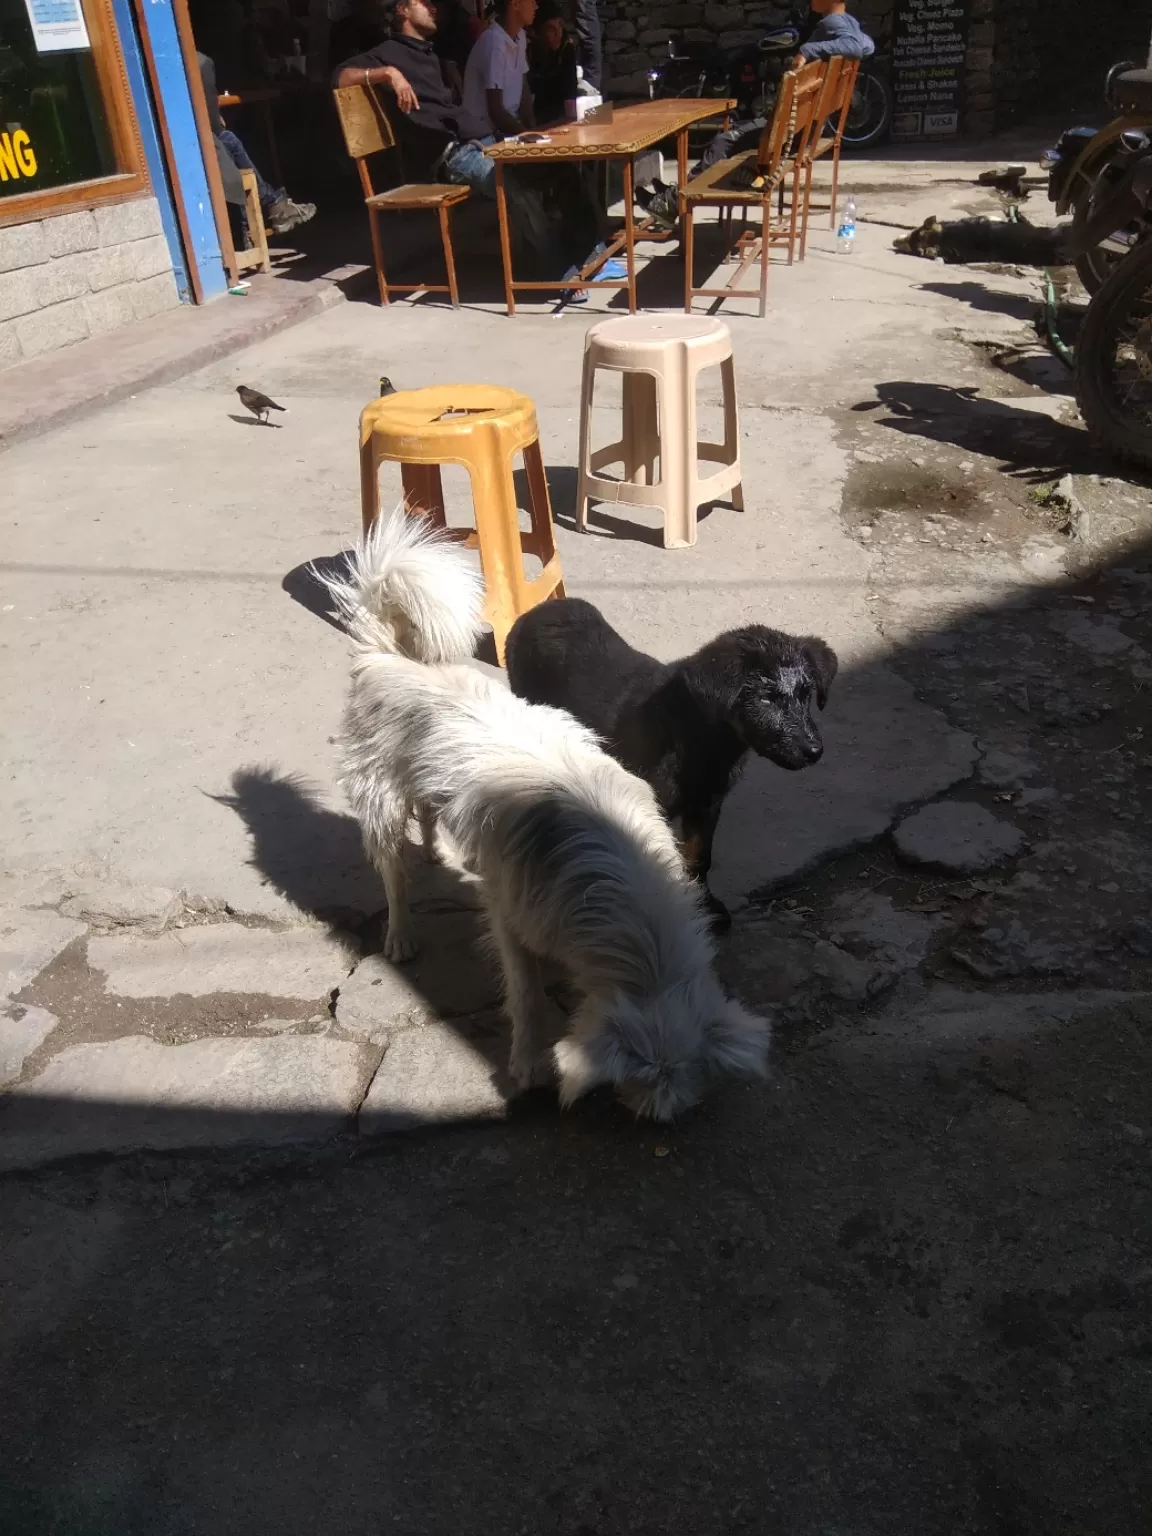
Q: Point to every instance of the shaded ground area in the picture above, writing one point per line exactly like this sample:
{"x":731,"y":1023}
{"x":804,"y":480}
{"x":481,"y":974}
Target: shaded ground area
{"x":905,"y":1289}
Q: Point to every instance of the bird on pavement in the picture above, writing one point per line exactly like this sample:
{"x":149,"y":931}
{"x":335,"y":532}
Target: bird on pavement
{"x":386,"y":386}
{"x":257,"y":403}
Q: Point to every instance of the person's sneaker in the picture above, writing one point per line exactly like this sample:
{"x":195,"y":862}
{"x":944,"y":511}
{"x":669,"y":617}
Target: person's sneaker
{"x":284,"y":215}
{"x":663,"y":210}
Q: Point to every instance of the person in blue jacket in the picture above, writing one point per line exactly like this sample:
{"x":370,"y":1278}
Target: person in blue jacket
{"x":835,"y":34}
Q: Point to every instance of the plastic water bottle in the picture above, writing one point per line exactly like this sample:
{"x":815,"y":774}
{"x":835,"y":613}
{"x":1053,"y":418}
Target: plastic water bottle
{"x":846,"y":234}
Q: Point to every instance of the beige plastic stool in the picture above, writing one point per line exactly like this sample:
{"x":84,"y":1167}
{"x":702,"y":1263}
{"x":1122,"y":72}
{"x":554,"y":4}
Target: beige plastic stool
{"x":660,"y":357}
{"x":481,"y":427}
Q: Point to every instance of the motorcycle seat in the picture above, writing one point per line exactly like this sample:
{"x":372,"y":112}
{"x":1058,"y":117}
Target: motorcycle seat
{"x":1132,"y":90}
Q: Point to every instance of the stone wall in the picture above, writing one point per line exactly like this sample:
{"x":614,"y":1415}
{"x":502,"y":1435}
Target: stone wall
{"x":77,"y":275}
{"x":1026,"y":58}
{"x":637,"y":33}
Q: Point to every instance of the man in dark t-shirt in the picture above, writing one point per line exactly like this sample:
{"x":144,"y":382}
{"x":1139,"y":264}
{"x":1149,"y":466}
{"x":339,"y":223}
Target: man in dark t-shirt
{"x":428,"y":130}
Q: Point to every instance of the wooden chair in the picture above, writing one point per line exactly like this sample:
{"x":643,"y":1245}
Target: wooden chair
{"x":754,"y":179}
{"x":257,"y":253}
{"x":367,"y":132}
{"x":819,"y":145}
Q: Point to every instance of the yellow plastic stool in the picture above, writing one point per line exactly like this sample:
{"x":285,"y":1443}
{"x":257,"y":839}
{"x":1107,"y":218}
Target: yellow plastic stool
{"x":479,"y":426}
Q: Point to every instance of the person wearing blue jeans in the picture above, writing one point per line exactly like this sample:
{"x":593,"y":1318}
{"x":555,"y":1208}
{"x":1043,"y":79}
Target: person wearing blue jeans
{"x":438,"y":140}
{"x":280,"y":212}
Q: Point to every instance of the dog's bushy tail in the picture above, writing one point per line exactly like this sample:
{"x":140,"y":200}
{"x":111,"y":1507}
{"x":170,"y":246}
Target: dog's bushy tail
{"x":410,"y":590}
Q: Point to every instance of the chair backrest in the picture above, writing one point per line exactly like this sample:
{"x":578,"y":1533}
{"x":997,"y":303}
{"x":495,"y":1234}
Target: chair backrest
{"x":846,"y":89}
{"x":829,"y":99}
{"x":365,"y":126}
{"x":787,"y":130}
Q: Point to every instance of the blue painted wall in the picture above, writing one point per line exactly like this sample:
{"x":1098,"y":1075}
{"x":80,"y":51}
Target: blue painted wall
{"x":193,"y":183}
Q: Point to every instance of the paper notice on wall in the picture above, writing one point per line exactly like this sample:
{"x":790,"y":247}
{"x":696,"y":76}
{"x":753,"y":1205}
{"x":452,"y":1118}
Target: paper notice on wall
{"x":57,"y":25}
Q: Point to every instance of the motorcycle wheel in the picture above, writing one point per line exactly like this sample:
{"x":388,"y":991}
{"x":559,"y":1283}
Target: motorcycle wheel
{"x":870,"y":113}
{"x":1114,"y":360}
{"x":1094,"y":266}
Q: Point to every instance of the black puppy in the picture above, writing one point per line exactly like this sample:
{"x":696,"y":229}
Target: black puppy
{"x":683,"y":726}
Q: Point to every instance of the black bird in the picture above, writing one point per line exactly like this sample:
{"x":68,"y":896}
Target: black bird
{"x":386,"y":387}
{"x":257,"y":403}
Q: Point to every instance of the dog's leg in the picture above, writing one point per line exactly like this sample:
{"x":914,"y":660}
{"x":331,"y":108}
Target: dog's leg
{"x":385,"y":843}
{"x":428,"y":833}
{"x":698,"y":830}
{"x":526,"y":1004}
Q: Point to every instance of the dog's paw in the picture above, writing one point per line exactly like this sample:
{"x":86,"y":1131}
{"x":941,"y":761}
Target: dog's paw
{"x":400,"y":946}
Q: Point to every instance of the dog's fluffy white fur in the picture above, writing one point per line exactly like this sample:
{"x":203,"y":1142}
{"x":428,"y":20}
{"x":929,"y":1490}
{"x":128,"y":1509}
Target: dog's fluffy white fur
{"x":573,"y":858}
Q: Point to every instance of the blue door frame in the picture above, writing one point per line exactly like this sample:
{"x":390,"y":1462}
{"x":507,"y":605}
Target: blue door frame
{"x":171,"y":144}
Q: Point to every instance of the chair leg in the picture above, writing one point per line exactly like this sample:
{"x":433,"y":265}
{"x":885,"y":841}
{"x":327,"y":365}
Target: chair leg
{"x":689,"y":255}
{"x":424,"y":492}
{"x":640,"y":427}
{"x":806,"y":210}
{"x":835,"y":181}
{"x":378,"y":254}
{"x":541,"y":541}
{"x":369,"y":485}
{"x":731,"y":428}
{"x":449,"y":257}
{"x":765,"y":249}
{"x":587,"y":386}
{"x":501,"y":549}
{"x":678,"y":452}
{"x":794,"y":212}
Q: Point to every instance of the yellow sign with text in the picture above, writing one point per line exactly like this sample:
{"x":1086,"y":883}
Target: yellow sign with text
{"x":17,"y":157}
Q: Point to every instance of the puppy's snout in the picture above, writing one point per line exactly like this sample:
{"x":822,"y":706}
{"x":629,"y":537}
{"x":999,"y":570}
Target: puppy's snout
{"x":812,"y":750}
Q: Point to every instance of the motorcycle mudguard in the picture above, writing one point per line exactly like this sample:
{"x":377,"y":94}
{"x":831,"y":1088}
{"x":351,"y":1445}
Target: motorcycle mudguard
{"x":1097,"y":149}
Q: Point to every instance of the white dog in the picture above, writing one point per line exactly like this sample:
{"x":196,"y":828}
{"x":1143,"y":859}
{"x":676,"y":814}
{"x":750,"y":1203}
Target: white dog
{"x":574,"y":861}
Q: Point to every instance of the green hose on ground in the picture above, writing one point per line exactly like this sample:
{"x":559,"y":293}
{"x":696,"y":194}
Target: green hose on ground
{"x":1061,"y":348}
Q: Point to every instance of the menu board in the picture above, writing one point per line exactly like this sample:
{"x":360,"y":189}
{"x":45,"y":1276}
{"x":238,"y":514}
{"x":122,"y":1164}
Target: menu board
{"x":928,"y":52}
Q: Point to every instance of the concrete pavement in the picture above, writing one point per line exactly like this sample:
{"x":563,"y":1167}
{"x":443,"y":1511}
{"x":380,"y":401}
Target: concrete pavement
{"x":175,"y":838}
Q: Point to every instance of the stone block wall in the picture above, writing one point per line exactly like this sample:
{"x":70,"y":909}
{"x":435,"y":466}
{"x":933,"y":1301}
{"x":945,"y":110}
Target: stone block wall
{"x":637,"y":33}
{"x":1025,"y":58}
{"x":80,"y":274}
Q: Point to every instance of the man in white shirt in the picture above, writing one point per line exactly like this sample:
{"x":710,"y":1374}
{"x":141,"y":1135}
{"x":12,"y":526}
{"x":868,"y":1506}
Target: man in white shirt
{"x":496,"y":98}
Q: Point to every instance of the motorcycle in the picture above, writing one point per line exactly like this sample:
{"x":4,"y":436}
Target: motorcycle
{"x":1088,"y":164}
{"x":1114,"y":350}
{"x":751,"y":73}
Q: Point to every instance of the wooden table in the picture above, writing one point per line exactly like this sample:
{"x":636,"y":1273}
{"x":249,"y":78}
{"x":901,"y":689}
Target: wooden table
{"x":632,"y":130}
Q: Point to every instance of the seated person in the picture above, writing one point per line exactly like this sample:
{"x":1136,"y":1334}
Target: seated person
{"x":439,"y":138}
{"x":496,"y":101}
{"x":279,"y":211}
{"x":835,"y":34}
{"x":551,"y":63}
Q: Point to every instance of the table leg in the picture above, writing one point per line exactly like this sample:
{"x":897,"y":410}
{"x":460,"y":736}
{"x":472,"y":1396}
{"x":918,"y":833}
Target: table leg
{"x":630,"y":233}
{"x":681,"y":183}
{"x":505,"y":239}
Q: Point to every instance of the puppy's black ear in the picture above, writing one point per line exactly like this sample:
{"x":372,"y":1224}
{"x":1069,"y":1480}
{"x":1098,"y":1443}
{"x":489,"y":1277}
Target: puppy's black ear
{"x":822,"y":660}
